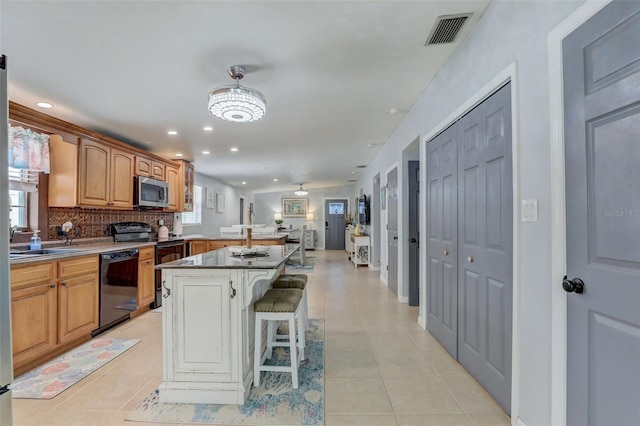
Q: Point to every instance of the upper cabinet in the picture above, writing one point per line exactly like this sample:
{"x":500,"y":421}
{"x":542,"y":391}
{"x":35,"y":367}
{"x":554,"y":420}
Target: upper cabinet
{"x":175,"y":188}
{"x":188,"y":182}
{"x":104,"y":175}
{"x":147,"y":167}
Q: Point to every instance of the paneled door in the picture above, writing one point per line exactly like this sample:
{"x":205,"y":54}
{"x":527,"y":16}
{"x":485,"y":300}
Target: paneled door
{"x":392,"y":230}
{"x":601,"y":61}
{"x":334,"y":211}
{"x":414,"y":232}
{"x":485,"y":252}
{"x":442,"y":239}
{"x":469,"y":243}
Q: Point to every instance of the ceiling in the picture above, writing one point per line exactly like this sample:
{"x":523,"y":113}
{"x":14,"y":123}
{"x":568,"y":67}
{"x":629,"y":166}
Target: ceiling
{"x":338,"y":77}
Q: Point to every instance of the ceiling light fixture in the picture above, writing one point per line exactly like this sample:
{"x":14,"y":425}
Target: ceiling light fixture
{"x":172,"y":132}
{"x":206,"y":152}
{"x":301,"y":191}
{"x":44,"y":105}
{"x":208,"y":129}
{"x":234,"y":102}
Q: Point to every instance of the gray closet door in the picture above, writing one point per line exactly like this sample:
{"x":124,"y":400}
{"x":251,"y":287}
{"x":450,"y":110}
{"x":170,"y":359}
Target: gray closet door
{"x":442,"y":239}
{"x":602,"y":155}
{"x":485,"y":264}
{"x":392,"y":229}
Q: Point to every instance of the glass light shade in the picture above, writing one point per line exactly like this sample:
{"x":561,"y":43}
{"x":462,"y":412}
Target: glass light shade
{"x":301,"y":192}
{"x":309,"y":216}
{"x":237,"y":103}
{"x":277,"y":216}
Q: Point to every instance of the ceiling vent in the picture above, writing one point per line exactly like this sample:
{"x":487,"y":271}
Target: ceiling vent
{"x":447,"y":28}
{"x":361,"y":166}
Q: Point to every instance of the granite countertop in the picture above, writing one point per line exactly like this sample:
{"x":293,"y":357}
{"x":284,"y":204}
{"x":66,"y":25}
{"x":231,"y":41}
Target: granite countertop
{"x":222,"y":259}
{"x":77,"y":248}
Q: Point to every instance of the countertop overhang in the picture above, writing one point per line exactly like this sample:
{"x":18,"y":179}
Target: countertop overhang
{"x":223,"y":259}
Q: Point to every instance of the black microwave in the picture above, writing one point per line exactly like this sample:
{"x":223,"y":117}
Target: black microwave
{"x":150,"y":193}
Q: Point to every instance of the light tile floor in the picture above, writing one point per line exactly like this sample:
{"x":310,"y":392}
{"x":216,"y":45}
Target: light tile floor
{"x":381,"y":367}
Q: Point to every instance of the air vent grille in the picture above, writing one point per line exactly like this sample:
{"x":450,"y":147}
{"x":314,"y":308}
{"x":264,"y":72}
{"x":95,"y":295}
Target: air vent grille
{"x":360,"y":166}
{"x":447,"y":28}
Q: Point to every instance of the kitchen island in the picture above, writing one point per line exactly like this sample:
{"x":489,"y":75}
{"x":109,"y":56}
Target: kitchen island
{"x":208,"y":323}
{"x":198,"y":244}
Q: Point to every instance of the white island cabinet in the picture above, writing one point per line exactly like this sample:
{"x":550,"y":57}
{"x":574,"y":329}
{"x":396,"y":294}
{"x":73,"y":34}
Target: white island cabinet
{"x":208,"y":323}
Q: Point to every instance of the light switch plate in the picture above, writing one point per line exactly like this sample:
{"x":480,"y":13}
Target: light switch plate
{"x":530,"y":210}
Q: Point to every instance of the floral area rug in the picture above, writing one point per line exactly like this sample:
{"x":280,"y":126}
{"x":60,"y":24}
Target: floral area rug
{"x":292,"y":265}
{"x":274,"y":402}
{"x":48,"y":380}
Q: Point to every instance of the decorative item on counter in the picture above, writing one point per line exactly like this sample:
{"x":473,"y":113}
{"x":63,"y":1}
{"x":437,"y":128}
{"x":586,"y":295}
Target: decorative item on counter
{"x":357,"y":231}
{"x":35,"y":243}
{"x":66,"y":231}
{"x":163,"y":231}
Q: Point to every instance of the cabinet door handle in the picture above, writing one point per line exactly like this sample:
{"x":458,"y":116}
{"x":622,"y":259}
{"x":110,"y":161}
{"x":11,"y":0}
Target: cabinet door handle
{"x":164,"y":296}
{"x":52,"y":285}
{"x":64,"y":284}
{"x":233,"y":290}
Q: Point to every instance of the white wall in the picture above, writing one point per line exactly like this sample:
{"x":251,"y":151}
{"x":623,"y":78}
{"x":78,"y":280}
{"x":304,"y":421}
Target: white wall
{"x":268,"y":203}
{"x":212,"y":220}
{"x":507,"y":33}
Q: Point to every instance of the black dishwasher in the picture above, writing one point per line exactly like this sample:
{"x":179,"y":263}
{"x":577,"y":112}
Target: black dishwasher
{"x":118,"y":287}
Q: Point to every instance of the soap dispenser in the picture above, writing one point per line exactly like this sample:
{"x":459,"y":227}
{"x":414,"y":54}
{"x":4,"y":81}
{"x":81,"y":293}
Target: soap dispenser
{"x":35,"y":243}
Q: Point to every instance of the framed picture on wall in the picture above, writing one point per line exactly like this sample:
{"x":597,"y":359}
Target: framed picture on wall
{"x":220,"y":203}
{"x":383,"y":197}
{"x":295,"y":207}
{"x":210,"y":198}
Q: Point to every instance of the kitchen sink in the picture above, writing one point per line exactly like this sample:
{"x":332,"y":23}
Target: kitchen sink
{"x":29,"y":253}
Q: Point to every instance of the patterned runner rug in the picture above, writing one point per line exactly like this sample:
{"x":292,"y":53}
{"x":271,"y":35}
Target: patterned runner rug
{"x":274,"y":402}
{"x":55,"y":376}
{"x":292,"y":265}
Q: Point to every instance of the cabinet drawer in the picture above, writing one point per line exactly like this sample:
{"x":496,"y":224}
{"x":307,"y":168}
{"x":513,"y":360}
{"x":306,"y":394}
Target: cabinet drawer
{"x":32,"y":274}
{"x":77,"y":266}
{"x":146,"y":253}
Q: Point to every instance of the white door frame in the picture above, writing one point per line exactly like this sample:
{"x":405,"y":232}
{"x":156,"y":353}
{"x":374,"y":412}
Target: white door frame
{"x":398,"y":166}
{"x":558,"y":208}
{"x":509,"y":74}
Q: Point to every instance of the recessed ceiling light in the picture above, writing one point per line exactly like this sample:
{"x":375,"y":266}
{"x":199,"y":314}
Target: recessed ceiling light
{"x":244,"y":183}
{"x":172,"y":132}
{"x":275,"y":180}
{"x":234,"y":149}
{"x":208,"y":129}
{"x":206,"y":152}
{"x":371,"y":145}
{"x":44,"y":105}
{"x":179,"y":154}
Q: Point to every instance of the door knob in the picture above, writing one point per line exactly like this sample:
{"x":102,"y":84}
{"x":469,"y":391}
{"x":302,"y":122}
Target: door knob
{"x":395,"y":237}
{"x":413,"y":240}
{"x":446,"y":252}
{"x":470,"y":259}
{"x":575,"y":285}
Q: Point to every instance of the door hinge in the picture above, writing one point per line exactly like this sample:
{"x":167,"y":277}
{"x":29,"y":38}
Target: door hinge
{"x":387,"y":267}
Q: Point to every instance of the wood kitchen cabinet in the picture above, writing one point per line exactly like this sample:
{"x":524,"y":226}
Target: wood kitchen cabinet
{"x":146,"y":167}
{"x":175,"y":188}
{"x":104,"y":175}
{"x":54,"y":307}
{"x":78,"y":292}
{"x":188,"y":176}
{"x":197,"y":247}
{"x":146,"y":277}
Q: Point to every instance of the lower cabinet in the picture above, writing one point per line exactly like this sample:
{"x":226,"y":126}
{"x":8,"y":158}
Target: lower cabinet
{"x":54,"y":305}
{"x":146,"y":277}
{"x":197,"y":247}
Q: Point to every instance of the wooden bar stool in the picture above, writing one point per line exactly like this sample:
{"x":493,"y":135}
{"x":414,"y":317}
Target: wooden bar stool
{"x":279,"y":305}
{"x":295,"y":281}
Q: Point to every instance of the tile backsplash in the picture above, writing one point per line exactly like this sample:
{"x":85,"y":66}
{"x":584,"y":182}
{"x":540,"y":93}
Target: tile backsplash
{"x":89,"y":223}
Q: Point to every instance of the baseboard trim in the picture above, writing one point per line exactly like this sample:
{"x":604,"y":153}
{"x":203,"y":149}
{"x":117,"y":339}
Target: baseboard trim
{"x":519,"y":422}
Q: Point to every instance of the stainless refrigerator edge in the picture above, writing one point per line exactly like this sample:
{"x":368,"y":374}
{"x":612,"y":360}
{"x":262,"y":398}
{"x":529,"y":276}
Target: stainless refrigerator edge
{"x":6,"y":365}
